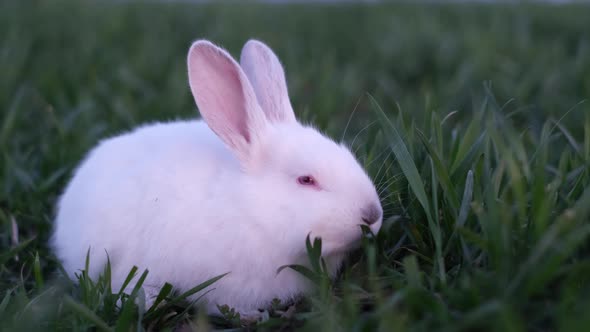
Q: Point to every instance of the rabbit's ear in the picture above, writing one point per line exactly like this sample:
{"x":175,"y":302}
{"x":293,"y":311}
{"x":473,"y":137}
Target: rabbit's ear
{"x":225,"y":97}
{"x":266,"y":74}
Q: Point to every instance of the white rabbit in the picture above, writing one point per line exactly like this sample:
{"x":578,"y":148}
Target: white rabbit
{"x":238,"y":192}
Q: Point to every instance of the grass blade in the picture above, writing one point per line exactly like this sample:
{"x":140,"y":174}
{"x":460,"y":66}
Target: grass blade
{"x":130,"y":276}
{"x":126,"y":320}
{"x":441,"y":172}
{"x":83,"y":311}
{"x":414,"y":179}
{"x":306,"y":272}
{"x":314,"y":252}
{"x":164,"y":292}
{"x":5,"y":301}
{"x":37,"y":271}
{"x":176,"y":300}
{"x":580,"y":212}
{"x":4,"y":257}
{"x":197,"y":288}
{"x":463,"y":211}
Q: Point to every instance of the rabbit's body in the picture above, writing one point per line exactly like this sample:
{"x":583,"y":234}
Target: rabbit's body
{"x":179,"y":201}
{"x":226,"y":233}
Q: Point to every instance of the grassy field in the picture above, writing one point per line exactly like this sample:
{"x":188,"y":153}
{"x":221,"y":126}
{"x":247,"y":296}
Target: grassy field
{"x":472,"y":119}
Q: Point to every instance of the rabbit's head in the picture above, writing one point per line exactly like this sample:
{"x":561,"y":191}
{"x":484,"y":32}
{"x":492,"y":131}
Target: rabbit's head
{"x":297,"y":180}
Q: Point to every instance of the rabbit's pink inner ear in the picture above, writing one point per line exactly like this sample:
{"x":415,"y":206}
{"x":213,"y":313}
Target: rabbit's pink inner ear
{"x":265,"y":72}
{"x":224,"y":95}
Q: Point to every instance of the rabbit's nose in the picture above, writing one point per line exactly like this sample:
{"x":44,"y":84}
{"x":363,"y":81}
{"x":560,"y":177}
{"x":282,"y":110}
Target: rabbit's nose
{"x":371,"y":214}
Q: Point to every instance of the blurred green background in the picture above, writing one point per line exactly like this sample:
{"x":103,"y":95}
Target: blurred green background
{"x":128,"y":60}
{"x":73,"y":72}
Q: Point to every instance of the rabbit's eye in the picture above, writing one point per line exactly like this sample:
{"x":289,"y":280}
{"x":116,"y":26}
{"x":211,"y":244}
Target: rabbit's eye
{"x":306,"y":180}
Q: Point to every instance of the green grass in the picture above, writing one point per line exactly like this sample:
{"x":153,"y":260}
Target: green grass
{"x":472,"y":119}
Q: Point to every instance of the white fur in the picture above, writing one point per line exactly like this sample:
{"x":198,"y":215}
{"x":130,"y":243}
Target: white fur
{"x":190,"y":200}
